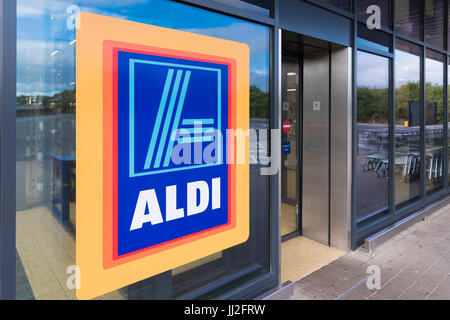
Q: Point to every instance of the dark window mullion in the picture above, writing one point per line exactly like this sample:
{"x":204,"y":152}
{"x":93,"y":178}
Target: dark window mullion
{"x":445,"y":124}
{"x":422,"y":124}
{"x":392,"y":109}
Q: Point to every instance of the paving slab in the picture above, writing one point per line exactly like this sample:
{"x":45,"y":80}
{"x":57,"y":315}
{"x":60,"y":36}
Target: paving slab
{"x":414,"y":265}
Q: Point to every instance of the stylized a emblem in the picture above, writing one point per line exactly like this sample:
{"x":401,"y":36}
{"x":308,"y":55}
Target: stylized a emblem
{"x":166,"y":111}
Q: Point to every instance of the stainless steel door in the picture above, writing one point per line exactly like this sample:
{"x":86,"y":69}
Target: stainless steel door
{"x":316,"y":134}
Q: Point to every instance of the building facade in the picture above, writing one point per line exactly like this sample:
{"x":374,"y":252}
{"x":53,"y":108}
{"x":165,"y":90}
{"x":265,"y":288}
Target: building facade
{"x":359,"y":139}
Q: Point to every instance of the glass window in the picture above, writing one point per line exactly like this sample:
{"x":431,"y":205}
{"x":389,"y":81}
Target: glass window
{"x":372,"y":135}
{"x":448,"y":26}
{"x":290,"y":157}
{"x":341,"y":4}
{"x":448,"y":126}
{"x":434,"y":23}
{"x":46,"y":162}
{"x":362,"y":5}
{"x":262,"y":7}
{"x":373,"y":38}
{"x":407,"y":18}
{"x":434,"y":116}
{"x":407,"y":123}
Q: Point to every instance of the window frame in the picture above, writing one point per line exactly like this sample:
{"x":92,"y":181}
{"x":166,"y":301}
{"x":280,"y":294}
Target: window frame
{"x":8,"y":15}
{"x":7,"y":149}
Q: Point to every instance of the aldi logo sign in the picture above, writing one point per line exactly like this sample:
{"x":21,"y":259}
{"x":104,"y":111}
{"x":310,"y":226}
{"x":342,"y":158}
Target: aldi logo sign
{"x":172,"y":116}
{"x":158,"y":181}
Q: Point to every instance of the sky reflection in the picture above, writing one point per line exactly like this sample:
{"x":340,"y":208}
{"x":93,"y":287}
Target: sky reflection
{"x":46,"y":48}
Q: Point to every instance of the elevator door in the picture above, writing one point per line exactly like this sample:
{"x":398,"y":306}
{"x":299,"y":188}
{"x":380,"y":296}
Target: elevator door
{"x":316,"y":139}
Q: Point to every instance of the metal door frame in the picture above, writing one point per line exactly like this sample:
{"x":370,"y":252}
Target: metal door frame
{"x":7,"y":149}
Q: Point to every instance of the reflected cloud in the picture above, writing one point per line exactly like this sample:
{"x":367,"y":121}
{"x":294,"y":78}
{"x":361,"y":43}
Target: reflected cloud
{"x":434,"y":72}
{"x":407,"y":68}
{"x":373,"y":71}
{"x":250,"y":34}
{"x":42,"y":30}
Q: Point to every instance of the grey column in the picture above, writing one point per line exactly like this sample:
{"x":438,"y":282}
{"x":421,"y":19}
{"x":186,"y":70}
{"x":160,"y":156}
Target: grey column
{"x":8,"y":149}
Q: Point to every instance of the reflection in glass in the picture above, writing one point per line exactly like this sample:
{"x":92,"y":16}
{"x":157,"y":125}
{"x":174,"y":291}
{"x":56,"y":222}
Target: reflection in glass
{"x":372,"y":136}
{"x":374,"y":38}
{"x":341,"y":4}
{"x":45,"y":147}
{"x":289,"y":160}
{"x":434,"y":23}
{"x":407,"y":123}
{"x":407,"y":17}
{"x":434,"y":80}
{"x":262,"y":7}
{"x":367,"y":43}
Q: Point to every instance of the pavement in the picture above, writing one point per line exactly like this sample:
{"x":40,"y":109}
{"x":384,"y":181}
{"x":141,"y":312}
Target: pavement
{"x":414,"y":264}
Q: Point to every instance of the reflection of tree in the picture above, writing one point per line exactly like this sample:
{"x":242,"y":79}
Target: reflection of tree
{"x":259,"y":103}
{"x":373,"y":103}
{"x":65,"y":101}
{"x":435,"y":94}
{"x":403,"y":95}
{"x":62,"y":102}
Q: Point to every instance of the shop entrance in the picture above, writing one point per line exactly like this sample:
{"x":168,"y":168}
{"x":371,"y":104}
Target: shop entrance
{"x":305,"y":113}
{"x":315,"y":118}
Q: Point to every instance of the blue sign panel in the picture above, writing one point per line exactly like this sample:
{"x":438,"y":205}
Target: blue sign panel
{"x":286,"y":147}
{"x":172,"y":179}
